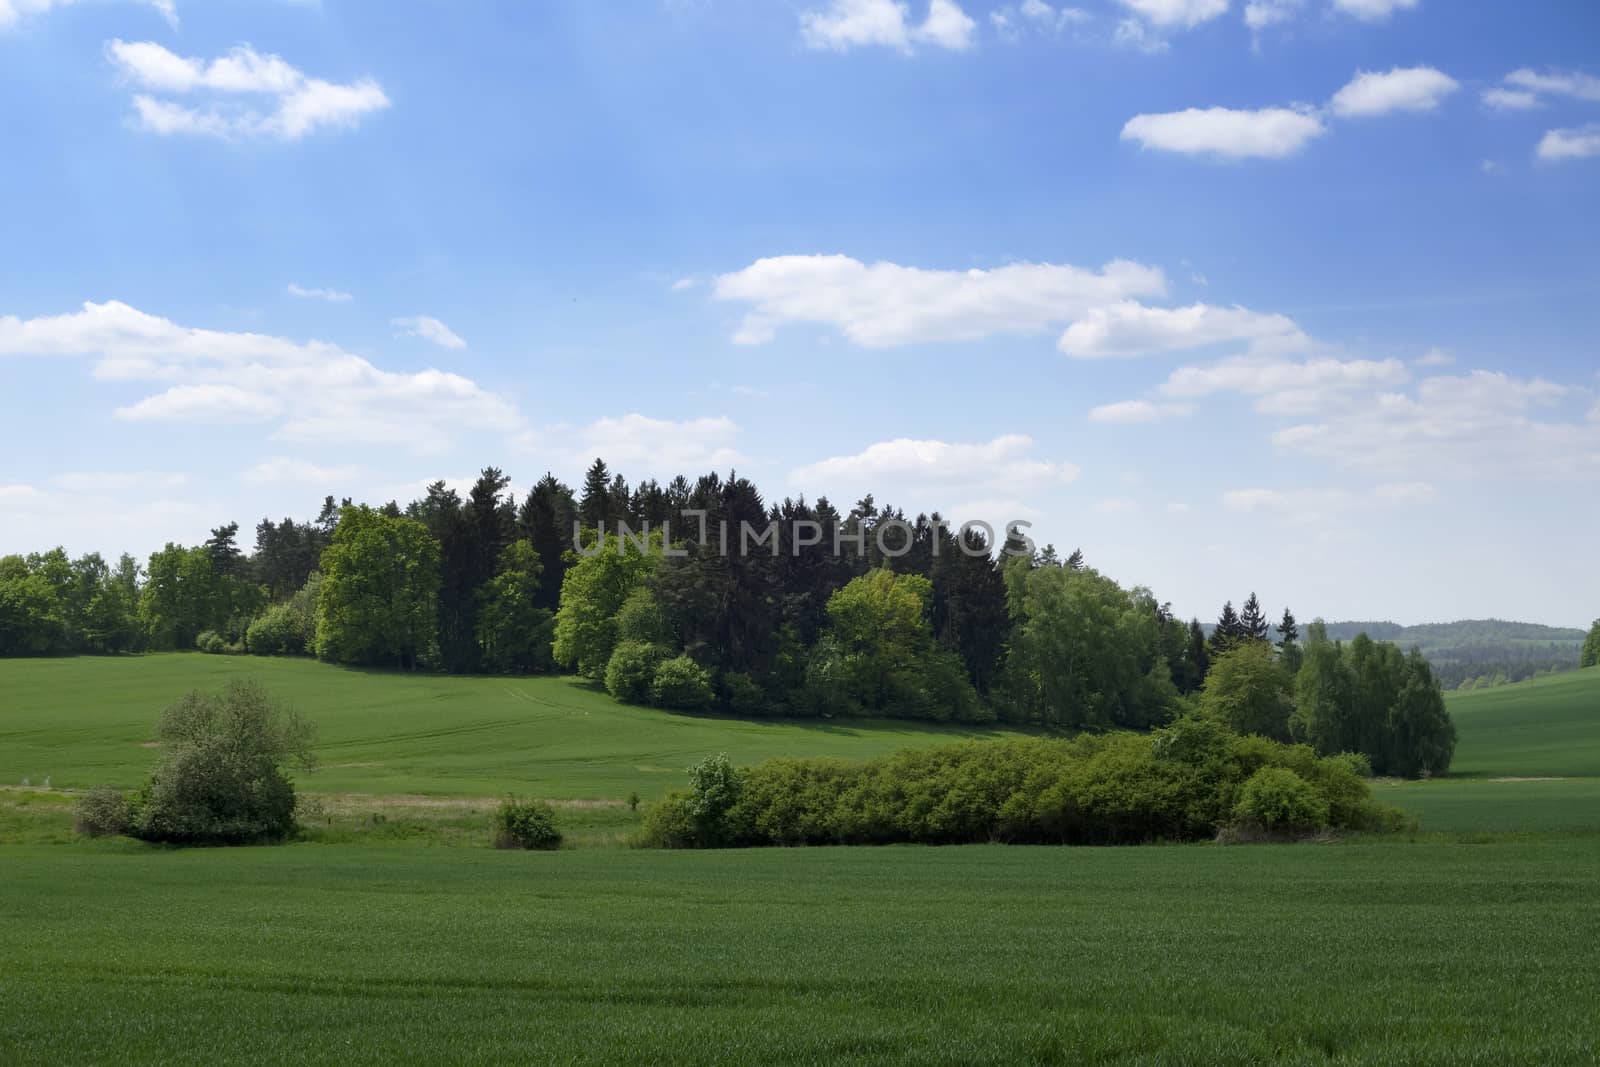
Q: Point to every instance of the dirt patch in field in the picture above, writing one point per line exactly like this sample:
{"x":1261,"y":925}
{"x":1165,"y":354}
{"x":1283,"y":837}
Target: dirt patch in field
{"x":347,"y":766}
{"x":149,"y":744}
{"x":1547,"y":779}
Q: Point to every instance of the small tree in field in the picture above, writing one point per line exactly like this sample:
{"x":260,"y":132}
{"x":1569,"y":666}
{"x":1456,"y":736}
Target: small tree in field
{"x":1248,"y":689}
{"x":221,"y":777}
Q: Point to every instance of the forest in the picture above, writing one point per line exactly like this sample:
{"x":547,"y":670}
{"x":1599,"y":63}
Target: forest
{"x":925,"y":623}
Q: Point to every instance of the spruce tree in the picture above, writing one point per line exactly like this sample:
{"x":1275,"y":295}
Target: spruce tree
{"x":594,"y":503}
{"x":1228,"y":631}
{"x":1252,"y":621}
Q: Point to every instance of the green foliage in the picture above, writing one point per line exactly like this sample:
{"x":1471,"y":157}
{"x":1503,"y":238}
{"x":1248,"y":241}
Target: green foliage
{"x":1248,"y":688}
{"x":289,"y":628}
{"x":743,"y":694}
{"x":593,"y":592}
{"x":377,"y":601}
{"x":529,"y":824}
{"x":1590,"y":656}
{"x":514,"y":631}
{"x":682,"y":684}
{"x":1084,"y":653}
{"x":212,"y":642}
{"x":1184,"y":783}
{"x":221,"y":777}
{"x":102,"y":812}
{"x":878,"y":656}
{"x":632,"y":670}
{"x":1278,"y":800}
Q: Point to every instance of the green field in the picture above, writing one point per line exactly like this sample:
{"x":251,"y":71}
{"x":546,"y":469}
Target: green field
{"x":1383,"y":953}
{"x":1471,"y":942}
{"x":87,"y":721}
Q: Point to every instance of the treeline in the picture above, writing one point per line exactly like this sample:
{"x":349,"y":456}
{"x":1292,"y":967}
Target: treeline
{"x":826,"y":614}
{"x":1479,"y":653}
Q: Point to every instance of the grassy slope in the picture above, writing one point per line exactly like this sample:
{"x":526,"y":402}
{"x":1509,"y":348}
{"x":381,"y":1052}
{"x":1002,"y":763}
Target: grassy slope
{"x":83,"y":722}
{"x":1380,"y":953}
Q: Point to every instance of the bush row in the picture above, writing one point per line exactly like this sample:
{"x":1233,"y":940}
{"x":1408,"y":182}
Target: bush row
{"x":1183,"y":783}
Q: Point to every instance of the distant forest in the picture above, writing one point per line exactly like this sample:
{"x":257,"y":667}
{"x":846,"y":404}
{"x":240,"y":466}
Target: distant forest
{"x":1478,"y":653}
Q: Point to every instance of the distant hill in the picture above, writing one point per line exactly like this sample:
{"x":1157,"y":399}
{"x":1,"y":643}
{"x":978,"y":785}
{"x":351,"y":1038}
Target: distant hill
{"x":1477,"y":653}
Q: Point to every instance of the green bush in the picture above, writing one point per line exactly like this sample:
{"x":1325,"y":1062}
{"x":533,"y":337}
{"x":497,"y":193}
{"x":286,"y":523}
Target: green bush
{"x":1278,"y":800}
{"x":743,"y":694}
{"x":221,"y":777}
{"x":631,"y":670}
{"x":212,"y":642}
{"x":526,"y":824}
{"x":681,"y":683}
{"x":102,"y":813}
{"x":1185,"y":783}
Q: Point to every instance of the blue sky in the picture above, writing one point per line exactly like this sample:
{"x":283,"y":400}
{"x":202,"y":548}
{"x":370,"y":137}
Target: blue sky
{"x":1289,"y":297}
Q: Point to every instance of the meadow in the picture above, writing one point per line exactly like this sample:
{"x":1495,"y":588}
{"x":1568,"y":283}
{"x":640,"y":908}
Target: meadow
{"x":391,"y":931}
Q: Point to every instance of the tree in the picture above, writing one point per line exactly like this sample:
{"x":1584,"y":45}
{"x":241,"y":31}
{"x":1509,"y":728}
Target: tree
{"x":380,"y":585}
{"x":1084,"y":652}
{"x":1196,"y":659}
{"x":31,"y":614}
{"x":1228,"y":631}
{"x":1324,"y":697}
{"x":592,"y":593}
{"x":182,"y":597}
{"x":1288,"y":642}
{"x":1421,"y":738}
{"x":1248,"y":689}
{"x":545,"y":522}
{"x":514,"y":632}
{"x":1252,"y":621}
{"x":221,"y":777}
{"x":1591,"y":647}
{"x":595,"y":503}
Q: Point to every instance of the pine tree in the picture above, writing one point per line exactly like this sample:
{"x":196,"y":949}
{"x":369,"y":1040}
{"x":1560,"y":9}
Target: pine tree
{"x":594,"y":503}
{"x":1289,"y":642}
{"x":1196,"y":660}
{"x":1252,"y":621}
{"x":1228,"y":632}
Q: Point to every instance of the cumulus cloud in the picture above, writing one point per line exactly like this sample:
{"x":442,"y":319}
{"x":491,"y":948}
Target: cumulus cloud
{"x":312,"y":391}
{"x":928,"y":467}
{"x":241,"y":95}
{"x":1036,"y":16}
{"x":1286,"y":387}
{"x":1319,"y":504}
{"x":1268,"y":133}
{"x":1400,"y":89}
{"x":882,"y":304}
{"x":1580,"y":142}
{"x":1260,"y":14}
{"x":1127,"y":412}
{"x":429,"y":329}
{"x":1499,"y":99}
{"x":332,"y":296}
{"x":1569,"y":83}
{"x":1131,"y":329}
{"x":1470,"y":425}
{"x":847,"y":24}
{"x":1176,"y":14}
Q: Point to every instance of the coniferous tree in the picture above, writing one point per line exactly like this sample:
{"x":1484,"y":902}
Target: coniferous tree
{"x":595,"y":507}
{"x":1253,"y":621}
{"x":1289,"y":642}
{"x":545,"y":520}
{"x":1228,"y":632}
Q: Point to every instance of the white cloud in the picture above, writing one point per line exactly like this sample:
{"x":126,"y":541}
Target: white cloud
{"x":1435,"y":357}
{"x":1011,"y":22}
{"x":230,"y":86}
{"x":1510,"y":100}
{"x":1577,"y":143}
{"x":1137,"y":411}
{"x":847,"y":24}
{"x":13,"y":11}
{"x":1575,"y":84}
{"x":429,"y":329}
{"x":1401,"y":89}
{"x":332,"y":296}
{"x":1373,"y":10}
{"x":1176,"y":14}
{"x":683,"y":284}
{"x":641,"y":446}
{"x":1260,"y":14}
{"x":281,"y":470}
{"x":313,"y":391}
{"x":1131,"y":329}
{"x":1270,"y":133}
{"x":1473,"y":425}
{"x":1318,"y":505}
{"x":1003,"y":464}
{"x":885,"y":304}
{"x":1120,"y":505}
{"x":1283,"y":387}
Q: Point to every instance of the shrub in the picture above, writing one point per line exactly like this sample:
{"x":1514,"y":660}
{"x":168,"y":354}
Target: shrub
{"x":668,"y":823}
{"x":221,"y":778}
{"x":212,"y":642}
{"x":743,"y":694}
{"x":1278,"y":800}
{"x":681,"y":683}
{"x":277,"y":633}
{"x":526,"y":824}
{"x":102,"y":813}
{"x":631,"y":669}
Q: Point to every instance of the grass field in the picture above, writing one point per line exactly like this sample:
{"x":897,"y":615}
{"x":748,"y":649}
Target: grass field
{"x":1547,"y":726}
{"x":87,"y":721}
{"x":1381,"y":953}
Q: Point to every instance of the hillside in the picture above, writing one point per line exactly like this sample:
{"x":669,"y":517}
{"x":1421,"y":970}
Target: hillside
{"x":1477,"y":653}
{"x":88,"y":720}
